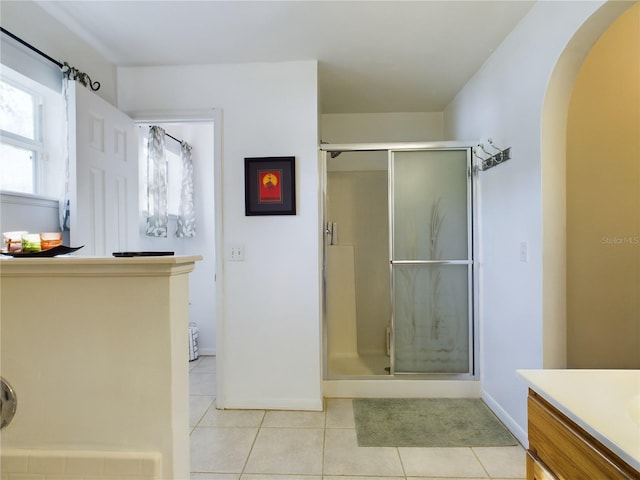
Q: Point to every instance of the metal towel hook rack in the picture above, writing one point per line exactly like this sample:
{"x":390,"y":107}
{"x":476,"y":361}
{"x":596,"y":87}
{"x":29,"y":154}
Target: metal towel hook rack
{"x":492,"y":159}
{"x":493,"y":144}
{"x":481,"y":145}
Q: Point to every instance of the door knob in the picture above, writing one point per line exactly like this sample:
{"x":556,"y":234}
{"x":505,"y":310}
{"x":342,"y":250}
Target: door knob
{"x":8,"y":403}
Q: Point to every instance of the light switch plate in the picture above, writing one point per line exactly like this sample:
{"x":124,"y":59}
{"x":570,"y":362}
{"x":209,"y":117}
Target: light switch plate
{"x":524,"y":251}
{"x":236,"y":253}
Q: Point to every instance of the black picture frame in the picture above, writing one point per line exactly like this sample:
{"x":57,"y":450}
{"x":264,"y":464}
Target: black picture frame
{"x":270,"y":186}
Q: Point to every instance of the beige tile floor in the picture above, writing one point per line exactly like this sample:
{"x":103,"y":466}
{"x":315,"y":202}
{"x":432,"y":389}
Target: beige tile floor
{"x":289,"y":445}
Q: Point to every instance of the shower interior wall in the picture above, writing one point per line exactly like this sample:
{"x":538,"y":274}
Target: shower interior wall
{"x":358,"y":260}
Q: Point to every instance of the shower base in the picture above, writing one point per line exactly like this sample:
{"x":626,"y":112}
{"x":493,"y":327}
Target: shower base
{"x":394,"y":387}
{"x":358,"y":365}
{"x":364,"y":376}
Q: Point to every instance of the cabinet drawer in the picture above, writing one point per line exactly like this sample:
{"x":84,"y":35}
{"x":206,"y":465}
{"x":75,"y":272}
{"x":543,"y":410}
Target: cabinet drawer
{"x":568,"y":450}
{"x":537,"y":471}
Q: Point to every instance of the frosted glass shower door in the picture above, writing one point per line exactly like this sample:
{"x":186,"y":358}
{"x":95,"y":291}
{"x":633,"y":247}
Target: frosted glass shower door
{"x":431,"y":262}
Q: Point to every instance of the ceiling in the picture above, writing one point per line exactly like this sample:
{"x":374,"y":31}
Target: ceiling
{"x":373,"y":56}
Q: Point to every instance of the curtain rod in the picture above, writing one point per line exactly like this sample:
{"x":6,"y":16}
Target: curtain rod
{"x":165,"y":133}
{"x":31,"y":47}
{"x":171,"y":136}
{"x":70,"y":72}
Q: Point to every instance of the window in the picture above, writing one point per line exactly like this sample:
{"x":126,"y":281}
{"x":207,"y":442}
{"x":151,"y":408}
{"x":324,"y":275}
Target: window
{"x":18,"y":169}
{"x":21,"y":138}
{"x":174,"y":178}
{"x":31,"y":136}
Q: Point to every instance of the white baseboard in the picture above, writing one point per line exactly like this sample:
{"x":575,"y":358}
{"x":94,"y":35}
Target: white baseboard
{"x":207,"y":351}
{"x":505,"y":418}
{"x":304,"y":404}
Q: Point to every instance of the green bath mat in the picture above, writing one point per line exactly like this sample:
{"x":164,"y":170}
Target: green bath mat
{"x":428,"y":422}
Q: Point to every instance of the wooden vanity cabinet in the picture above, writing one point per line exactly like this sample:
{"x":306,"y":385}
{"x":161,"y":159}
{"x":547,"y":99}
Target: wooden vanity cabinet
{"x":560,"y":449}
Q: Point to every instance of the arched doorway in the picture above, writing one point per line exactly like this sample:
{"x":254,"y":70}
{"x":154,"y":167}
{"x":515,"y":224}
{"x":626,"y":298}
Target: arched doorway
{"x":603,"y":202}
{"x":554,"y":178}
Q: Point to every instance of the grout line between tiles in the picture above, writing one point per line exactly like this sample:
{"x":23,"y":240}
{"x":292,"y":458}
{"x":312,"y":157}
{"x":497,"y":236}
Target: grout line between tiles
{"x":255,"y":439}
{"x":212,"y":404}
{"x":325,"y":408}
{"x":480,"y":462}
{"x":404,"y":472}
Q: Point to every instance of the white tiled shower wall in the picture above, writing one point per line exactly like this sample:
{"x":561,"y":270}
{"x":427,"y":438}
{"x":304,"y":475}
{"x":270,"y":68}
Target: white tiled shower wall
{"x":22,"y":464}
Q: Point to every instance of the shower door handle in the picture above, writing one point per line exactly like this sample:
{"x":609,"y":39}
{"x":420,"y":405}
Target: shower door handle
{"x":332,"y":232}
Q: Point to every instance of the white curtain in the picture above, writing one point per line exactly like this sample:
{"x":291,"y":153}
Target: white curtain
{"x":186,"y":225}
{"x":157,"y":211}
{"x":64,"y":210}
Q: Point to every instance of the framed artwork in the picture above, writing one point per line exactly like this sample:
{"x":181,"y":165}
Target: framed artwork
{"x":270,"y":186}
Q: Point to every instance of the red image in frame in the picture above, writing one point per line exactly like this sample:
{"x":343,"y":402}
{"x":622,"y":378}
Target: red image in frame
{"x":270,"y":186}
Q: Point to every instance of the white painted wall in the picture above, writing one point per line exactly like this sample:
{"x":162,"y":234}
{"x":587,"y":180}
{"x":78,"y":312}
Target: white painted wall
{"x":381,"y":127}
{"x":268,"y":330}
{"x":504,"y":101}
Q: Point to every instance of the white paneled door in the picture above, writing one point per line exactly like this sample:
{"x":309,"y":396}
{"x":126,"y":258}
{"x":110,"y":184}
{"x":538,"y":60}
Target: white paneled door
{"x":103,"y":175}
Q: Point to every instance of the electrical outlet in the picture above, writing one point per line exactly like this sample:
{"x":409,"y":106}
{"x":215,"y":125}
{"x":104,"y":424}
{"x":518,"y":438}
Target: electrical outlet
{"x":236,"y":253}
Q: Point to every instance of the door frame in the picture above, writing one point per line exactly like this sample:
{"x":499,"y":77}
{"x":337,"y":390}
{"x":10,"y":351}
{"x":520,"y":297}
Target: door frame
{"x":215,"y":117}
{"x":328,"y":149}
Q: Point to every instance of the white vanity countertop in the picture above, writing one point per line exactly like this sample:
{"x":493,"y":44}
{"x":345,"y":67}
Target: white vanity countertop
{"x":606,"y":403}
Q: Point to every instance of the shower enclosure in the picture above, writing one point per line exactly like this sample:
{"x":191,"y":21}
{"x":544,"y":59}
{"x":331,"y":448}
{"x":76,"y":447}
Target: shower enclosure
{"x":399,"y":270}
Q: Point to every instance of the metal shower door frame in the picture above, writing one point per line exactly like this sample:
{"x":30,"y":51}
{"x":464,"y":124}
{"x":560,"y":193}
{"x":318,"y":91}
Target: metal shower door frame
{"x":334,"y":150}
{"x":469,"y":261}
